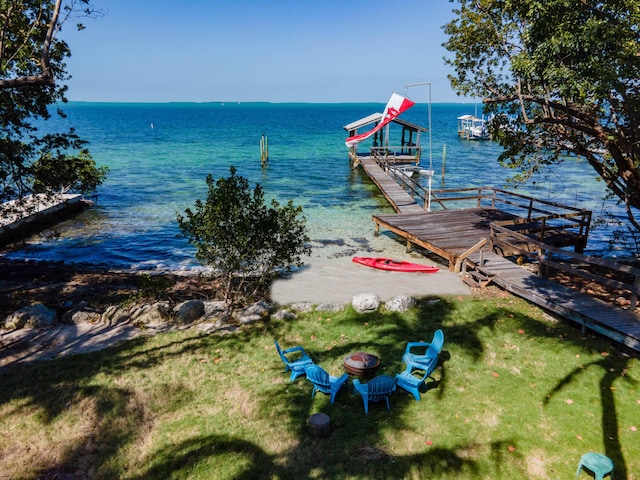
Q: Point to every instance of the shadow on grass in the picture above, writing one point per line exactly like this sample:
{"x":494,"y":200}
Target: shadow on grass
{"x":612,"y":368}
{"x":121,"y":416}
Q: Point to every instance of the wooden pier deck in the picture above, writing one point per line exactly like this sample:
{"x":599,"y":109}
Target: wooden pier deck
{"x":400,"y":200}
{"x":613,"y":322}
{"x":451,"y":234}
{"x":461,"y":237}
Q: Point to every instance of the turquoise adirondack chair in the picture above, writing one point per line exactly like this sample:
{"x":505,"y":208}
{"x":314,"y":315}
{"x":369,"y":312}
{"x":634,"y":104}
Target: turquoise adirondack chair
{"x":295,"y":359}
{"x":323,"y":382}
{"x":429,"y":359}
{"x":412,"y":380}
{"x":376,"y":390}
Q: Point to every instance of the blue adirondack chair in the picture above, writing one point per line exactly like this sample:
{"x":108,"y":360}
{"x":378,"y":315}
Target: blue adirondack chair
{"x":412,"y":380}
{"x":376,"y":390}
{"x":323,"y":382}
{"x":295,"y":359}
{"x":429,"y":359}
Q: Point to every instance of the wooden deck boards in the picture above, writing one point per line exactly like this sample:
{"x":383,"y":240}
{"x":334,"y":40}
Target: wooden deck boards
{"x":620,"y":325}
{"x":452,"y":233}
{"x":401,"y":201}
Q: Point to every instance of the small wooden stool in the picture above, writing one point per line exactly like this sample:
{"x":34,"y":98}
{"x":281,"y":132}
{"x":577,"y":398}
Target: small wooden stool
{"x":597,"y":463}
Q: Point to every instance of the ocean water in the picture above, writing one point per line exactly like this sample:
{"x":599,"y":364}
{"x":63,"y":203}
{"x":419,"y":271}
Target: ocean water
{"x":160,"y":154}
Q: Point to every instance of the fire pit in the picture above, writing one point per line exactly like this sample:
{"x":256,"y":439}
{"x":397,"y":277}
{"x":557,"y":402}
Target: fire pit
{"x":361,"y":364}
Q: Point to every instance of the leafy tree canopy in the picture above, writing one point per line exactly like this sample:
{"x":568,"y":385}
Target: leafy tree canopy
{"x":244,"y":239}
{"x":567,"y":72}
{"x":32,"y":72}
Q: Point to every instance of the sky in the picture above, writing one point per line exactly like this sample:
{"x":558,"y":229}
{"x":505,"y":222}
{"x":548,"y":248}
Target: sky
{"x":321,"y":51}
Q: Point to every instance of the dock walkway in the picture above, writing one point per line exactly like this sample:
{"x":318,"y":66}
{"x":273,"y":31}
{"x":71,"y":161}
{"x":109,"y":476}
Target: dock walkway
{"x":400,"y":200}
{"x":613,"y":322}
{"x":459,"y":236}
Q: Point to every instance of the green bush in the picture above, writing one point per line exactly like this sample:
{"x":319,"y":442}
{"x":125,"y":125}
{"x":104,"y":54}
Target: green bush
{"x":244,"y":239}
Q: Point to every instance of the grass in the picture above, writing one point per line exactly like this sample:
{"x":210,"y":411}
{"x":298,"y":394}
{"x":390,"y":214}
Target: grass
{"x":518,"y":395}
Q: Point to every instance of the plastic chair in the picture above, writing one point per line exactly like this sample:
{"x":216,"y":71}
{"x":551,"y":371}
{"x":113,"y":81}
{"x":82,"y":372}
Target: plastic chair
{"x":376,"y":390}
{"x":323,"y":382}
{"x":412,"y":380}
{"x":429,"y":360}
{"x":295,"y":363}
{"x":600,"y":465}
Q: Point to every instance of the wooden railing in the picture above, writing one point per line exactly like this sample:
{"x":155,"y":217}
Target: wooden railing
{"x":603,"y":271}
{"x":396,"y":154}
{"x":547,"y":221}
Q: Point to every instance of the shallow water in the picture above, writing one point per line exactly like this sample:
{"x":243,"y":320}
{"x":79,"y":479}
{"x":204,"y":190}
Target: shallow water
{"x":160,"y":154}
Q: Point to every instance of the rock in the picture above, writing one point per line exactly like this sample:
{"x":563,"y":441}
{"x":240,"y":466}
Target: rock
{"x":261,"y":308}
{"x":330,"y":307}
{"x":365,"y":302}
{"x":115,"y":315}
{"x":401,"y":303}
{"x":285,"y":315}
{"x":254,"y":313}
{"x":303,"y":307}
{"x":214,"y":308}
{"x":155,"y":314}
{"x":82,"y":313}
{"x":32,"y":316}
{"x":84,"y":316}
{"x":188,"y":312}
{"x":246,"y":319}
{"x":208,"y":328}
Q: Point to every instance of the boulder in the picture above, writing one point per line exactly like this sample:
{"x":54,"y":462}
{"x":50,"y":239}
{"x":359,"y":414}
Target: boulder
{"x":155,"y":314}
{"x":401,"y":303}
{"x":213,"y":308}
{"x":285,"y":315}
{"x":330,"y":307}
{"x":32,"y":316}
{"x":303,"y":307}
{"x":261,"y":308}
{"x":188,"y":311}
{"x":115,"y":315}
{"x":82,"y":313}
{"x":365,"y":302}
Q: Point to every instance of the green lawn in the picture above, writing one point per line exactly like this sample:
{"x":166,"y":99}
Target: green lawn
{"x":518,"y":395}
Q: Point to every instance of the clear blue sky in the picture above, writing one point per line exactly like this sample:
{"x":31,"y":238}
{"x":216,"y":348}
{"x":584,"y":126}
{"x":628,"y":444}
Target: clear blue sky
{"x":252,"y":50}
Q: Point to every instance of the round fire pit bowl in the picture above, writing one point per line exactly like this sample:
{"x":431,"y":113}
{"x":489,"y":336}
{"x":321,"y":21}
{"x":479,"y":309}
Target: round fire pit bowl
{"x":361,"y":364}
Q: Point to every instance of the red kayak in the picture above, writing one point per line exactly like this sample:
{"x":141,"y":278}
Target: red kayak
{"x":394,"y":265}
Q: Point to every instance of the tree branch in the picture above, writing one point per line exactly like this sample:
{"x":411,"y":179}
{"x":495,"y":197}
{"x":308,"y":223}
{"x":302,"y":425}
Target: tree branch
{"x":46,"y":77}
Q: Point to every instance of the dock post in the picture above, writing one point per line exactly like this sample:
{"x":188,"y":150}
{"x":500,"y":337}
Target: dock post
{"x":444,"y":160}
{"x":264,"y":150}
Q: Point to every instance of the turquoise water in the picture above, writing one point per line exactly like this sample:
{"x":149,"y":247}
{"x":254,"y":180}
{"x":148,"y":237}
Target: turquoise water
{"x":160,"y":154}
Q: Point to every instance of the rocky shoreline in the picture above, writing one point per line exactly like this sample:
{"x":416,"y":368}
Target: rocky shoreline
{"x":48,"y":310}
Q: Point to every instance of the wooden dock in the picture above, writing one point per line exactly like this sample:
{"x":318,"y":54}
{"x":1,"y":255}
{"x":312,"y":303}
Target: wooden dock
{"x":463,"y":238}
{"x":613,"y":322}
{"x":399,"y":199}
{"x":451,"y":234}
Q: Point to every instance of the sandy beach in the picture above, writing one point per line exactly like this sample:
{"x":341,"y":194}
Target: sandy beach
{"x":339,"y":279}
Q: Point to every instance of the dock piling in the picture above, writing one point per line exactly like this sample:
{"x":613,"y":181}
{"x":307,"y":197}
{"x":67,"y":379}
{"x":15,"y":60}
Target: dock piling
{"x":264,"y":150}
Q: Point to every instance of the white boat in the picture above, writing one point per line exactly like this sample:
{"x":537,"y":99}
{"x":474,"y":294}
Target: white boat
{"x":472,"y":128}
{"x":406,"y":170}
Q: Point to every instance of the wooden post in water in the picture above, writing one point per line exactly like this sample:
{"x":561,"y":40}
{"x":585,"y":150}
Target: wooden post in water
{"x":444,"y":160}
{"x":264,"y":150}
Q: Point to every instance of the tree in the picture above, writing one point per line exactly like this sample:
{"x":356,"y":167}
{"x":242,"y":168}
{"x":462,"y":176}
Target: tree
{"x":568,"y":71}
{"x":245,"y":240}
{"x":32,"y":70}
